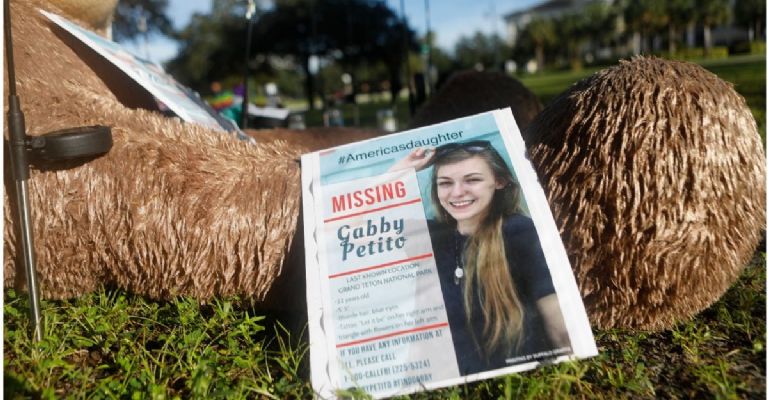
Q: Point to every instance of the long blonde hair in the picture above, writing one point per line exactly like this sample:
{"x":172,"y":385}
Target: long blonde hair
{"x":485,"y":255}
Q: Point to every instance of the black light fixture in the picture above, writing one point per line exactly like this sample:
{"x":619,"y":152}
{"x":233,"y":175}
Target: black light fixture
{"x":67,"y":144}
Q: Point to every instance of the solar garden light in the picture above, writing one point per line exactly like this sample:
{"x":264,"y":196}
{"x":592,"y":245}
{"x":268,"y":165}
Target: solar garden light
{"x":67,"y":144}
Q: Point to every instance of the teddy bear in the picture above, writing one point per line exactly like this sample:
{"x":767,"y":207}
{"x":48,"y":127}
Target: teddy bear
{"x":655,"y":172}
{"x":173,"y":209}
{"x":653,"y":169}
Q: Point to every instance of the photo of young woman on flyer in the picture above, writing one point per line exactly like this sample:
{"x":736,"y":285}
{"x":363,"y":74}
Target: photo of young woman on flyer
{"x":499,"y":297}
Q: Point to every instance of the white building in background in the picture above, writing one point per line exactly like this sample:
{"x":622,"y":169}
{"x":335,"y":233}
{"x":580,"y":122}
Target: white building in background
{"x":692,"y":35}
{"x":552,"y":9}
{"x":516,"y":23}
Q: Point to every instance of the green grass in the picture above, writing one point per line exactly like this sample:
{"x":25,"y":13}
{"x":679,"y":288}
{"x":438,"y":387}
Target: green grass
{"x":547,"y":86}
{"x":364,"y":113}
{"x":746,"y":73}
{"x":111,"y":344}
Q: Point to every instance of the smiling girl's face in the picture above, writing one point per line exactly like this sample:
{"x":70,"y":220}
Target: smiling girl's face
{"x":465,"y":190}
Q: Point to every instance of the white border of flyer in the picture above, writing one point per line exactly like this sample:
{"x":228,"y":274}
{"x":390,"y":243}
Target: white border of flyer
{"x":180,"y":100}
{"x":384,"y":314}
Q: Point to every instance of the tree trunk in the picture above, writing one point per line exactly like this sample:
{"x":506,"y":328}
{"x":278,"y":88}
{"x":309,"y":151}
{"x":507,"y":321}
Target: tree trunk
{"x":691,"y":35}
{"x":657,"y":43}
{"x":637,"y":41}
{"x":395,"y":84}
{"x":707,"y":40}
{"x":539,"y":57}
{"x":672,"y":40}
{"x":574,"y":56}
{"x":309,"y":83}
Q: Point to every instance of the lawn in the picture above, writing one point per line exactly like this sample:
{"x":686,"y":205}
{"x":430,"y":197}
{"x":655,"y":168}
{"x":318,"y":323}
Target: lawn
{"x":111,"y":344}
{"x":746,"y":73}
{"x":365,"y":113}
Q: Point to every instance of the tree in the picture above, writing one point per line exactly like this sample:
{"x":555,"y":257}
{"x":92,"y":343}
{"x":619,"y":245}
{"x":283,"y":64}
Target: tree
{"x":291,"y":28}
{"x":293,"y":32}
{"x":645,"y":18}
{"x":127,"y":24}
{"x":600,"y":23}
{"x":680,"y":14}
{"x":480,"y":50}
{"x":371,"y":32}
{"x":211,"y":48}
{"x":443,"y":63}
{"x":358,"y":31}
{"x":540,"y":34}
{"x":751,"y":15}
{"x":573,"y":30}
{"x":712,"y":13}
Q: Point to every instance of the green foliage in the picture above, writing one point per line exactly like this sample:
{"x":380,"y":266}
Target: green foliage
{"x":757,"y":48}
{"x":697,"y":53}
{"x":747,"y":73}
{"x":680,"y":11}
{"x":351,"y":34}
{"x":539,"y":37}
{"x":750,"y":14}
{"x":646,"y":15}
{"x":128,"y":14}
{"x":489,"y":51}
{"x":363,"y":114}
{"x":713,"y":12}
{"x":112,"y":345}
{"x":550,"y":85}
{"x":211,"y":49}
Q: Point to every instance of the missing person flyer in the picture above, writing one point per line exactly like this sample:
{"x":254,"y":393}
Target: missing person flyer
{"x":433,"y":260}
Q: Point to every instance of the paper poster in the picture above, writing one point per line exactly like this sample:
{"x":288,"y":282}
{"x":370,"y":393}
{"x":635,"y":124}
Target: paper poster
{"x":186,"y":104}
{"x":433,"y":260}
{"x":383,"y":285}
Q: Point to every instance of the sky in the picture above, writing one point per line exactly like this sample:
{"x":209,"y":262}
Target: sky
{"x":449,"y":19}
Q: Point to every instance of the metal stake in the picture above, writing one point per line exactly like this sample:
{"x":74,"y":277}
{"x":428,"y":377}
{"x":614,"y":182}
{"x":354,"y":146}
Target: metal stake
{"x":20,"y":170}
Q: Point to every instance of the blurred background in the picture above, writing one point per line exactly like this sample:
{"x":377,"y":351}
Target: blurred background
{"x":372,"y":63}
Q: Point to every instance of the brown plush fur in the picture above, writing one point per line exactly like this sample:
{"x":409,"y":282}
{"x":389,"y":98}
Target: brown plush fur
{"x":654,"y":170}
{"x":172,"y":209}
{"x":314,"y":139}
{"x":471,"y":92}
{"x":655,"y":173}
{"x":96,"y":15}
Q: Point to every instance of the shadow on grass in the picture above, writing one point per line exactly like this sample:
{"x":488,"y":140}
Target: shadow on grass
{"x":13,"y":388}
